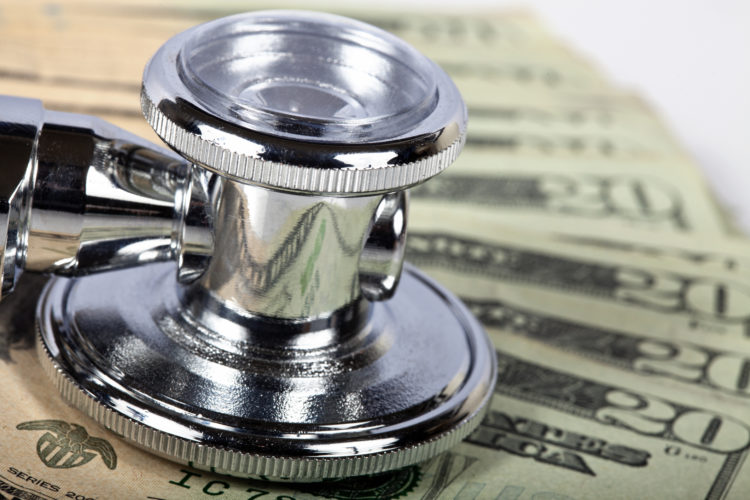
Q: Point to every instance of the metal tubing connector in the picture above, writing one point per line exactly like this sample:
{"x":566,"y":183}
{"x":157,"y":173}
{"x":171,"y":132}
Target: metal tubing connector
{"x":81,"y":196}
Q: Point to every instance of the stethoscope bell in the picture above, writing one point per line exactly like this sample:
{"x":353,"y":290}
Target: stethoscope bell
{"x":291,"y":342}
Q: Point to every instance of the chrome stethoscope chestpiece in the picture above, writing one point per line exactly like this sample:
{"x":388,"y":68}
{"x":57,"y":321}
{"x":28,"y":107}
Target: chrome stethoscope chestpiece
{"x":288,"y":340}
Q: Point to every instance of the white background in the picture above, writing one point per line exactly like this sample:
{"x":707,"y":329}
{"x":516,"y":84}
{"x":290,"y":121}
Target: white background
{"x":689,"y":59}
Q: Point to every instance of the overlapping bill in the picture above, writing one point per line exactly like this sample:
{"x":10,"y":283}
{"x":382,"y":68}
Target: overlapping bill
{"x":573,"y":226}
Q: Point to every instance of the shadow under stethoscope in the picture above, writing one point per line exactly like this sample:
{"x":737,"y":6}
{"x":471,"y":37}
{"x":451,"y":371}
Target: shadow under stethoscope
{"x":17,"y":312}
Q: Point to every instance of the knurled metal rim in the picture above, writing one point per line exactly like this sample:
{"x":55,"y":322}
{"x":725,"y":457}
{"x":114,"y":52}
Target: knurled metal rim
{"x":232,"y":462}
{"x":249,"y":168}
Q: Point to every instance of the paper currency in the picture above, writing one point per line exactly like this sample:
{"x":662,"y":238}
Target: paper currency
{"x":621,"y":332}
{"x":729,"y":256}
{"x":673,"y":300}
{"x":620,"y":438}
{"x":567,"y":195}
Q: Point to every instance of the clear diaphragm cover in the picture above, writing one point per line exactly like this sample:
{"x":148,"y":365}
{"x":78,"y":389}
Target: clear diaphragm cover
{"x":309,"y":76}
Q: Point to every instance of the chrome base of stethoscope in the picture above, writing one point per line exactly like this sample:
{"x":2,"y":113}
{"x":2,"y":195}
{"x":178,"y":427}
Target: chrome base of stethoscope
{"x":407,"y":380}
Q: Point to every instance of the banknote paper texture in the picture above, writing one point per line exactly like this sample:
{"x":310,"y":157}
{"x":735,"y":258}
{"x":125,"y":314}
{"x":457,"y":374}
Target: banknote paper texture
{"x":574,"y":227}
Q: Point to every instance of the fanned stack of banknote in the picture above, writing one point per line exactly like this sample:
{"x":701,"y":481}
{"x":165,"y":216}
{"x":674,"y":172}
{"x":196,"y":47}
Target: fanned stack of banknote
{"x":616,"y":291}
